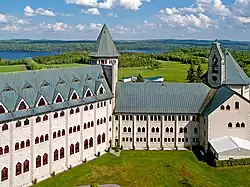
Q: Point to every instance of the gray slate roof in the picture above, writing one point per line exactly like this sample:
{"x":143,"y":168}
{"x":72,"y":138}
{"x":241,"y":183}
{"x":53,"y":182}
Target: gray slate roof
{"x":160,"y":98}
{"x":104,"y":46}
{"x":234,"y":73}
{"x":30,"y":85}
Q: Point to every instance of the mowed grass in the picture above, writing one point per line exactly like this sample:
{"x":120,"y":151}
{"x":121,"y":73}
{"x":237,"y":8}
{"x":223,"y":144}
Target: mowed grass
{"x":171,"y":71}
{"x":69,"y":65}
{"x":150,"y":169}
{"x":12,"y":68}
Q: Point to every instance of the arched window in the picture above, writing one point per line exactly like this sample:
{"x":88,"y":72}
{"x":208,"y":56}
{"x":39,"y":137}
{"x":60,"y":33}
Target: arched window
{"x":71,"y":111}
{"x":143,"y":129}
{"x":88,"y":94}
{"x":59,"y":133}
{"x":45,"y":159}
{"x":62,"y":113}
{"x":26,"y":166}
{"x":55,"y":115}
{"x":45,"y":117}
{"x":22,"y":106}
{"x":78,"y":128}
{"x":41,"y":139}
{"x":92,"y":124}
{"x":54,"y":135}
{"x":101,"y":91}
{"x":157,"y":129}
{"x":86,"y":108}
{"x":237,"y":124}
{"x":124,"y":129}
{"x":99,"y":139}
{"x":36,"y":140}
{"x":195,"y":130}
{"x":38,"y":161}
{"x":88,"y":124}
{"x":222,"y":107}
{"x":167,"y":129}
{"x":103,"y":137}
{"x":74,"y":96}
{"x":85,"y":126}
{"x":58,"y":99}
{"x":18,"y":168}
{"x":90,"y":142}
{"x":41,"y":102}
{"x":61,"y":153}
{"x":6,"y":149}
{"x":230,"y":125}
{"x":70,"y":130}
{"x":98,"y":122}
{"x":139,"y":129}
{"x":77,"y":110}
{"x":27,"y":143}
{"x":46,"y":137}
{"x":63,"y":132}
{"x":101,"y":104}
{"x":56,"y":155}
{"x":77,"y":147}
{"x":242,"y":125}
{"x":72,"y":149}
{"x":227,"y":107}
{"x":18,"y":124}
{"x":101,"y":121}
{"x":91,"y":107}
{"x":86,"y":144}
{"x":185,"y":130}
{"x":22,"y":144}
{"x":1,"y":151}
{"x":5,"y":127}
{"x":2,"y":110}
{"x":74,"y":129}
{"x":4,"y":174}
{"x":38,"y":119}
{"x":237,"y":105}
{"x":171,"y":129}
{"x":153,"y":129}
{"x":17,"y":146}
{"x":129,"y":129}
{"x":110,"y":118}
{"x":26,"y":122}
{"x":104,"y":120}
{"x":181,"y":130}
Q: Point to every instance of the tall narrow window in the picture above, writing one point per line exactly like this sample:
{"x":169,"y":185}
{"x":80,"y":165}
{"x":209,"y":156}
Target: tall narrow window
{"x":5,"y":127}
{"x":22,"y":106}
{"x":86,"y":108}
{"x":18,"y":168}
{"x":36,"y":140}
{"x":230,"y":125}
{"x":103,"y":137}
{"x":101,"y":91}
{"x":38,"y":161}
{"x":171,"y":129}
{"x":77,"y":147}
{"x":41,"y":139}
{"x":77,"y":110}
{"x":2,"y":110}
{"x":167,"y":129}
{"x":26,"y":122}
{"x":6,"y":149}
{"x":63,"y":132}
{"x":71,"y":149}
{"x":38,"y":119}
{"x":74,"y":129}
{"x":62,"y":114}
{"x":99,"y":139}
{"x":27,"y":143}
{"x":4,"y":174}
{"x":153,"y":129}
{"x":124,"y":129}
{"x":237,"y":124}
{"x":59,"y":133}
{"x":90,"y":142}
{"x":139,"y":129}
{"x":222,"y":107}
{"x":61,"y":153}
{"x":195,"y":130}
{"x":1,"y":151}
{"x":78,"y":128}
{"x":22,"y":144}
{"x":26,"y":166}
{"x":55,"y":115}
{"x":157,"y":129}
{"x":86,"y":144}
{"x":181,"y":130}
{"x":56,"y":155}
{"x":46,"y":137}
{"x":54,"y":135}
{"x":71,"y":111}
{"x":17,"y":146}
{"x":45,"y":118}
{"x":91,"y":107}
{"x":45,"y":159}
{"x":237,"y":105}
{"x":227,"y":107}
{"x":185,"y":130}
{"x":242,"y":125}
{"x":18,"y":124}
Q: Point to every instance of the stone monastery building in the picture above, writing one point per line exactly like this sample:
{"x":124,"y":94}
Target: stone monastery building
{"x":52,"y":120}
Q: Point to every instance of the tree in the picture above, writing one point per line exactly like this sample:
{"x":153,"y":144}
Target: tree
{"x":191,"y":73}
{"x":199,"y":73}
{"x":139,"y":78}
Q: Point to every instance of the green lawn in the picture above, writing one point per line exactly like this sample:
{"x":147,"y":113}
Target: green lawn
{"x":150,"y":169}
{"x":68,"y":65}
{"x":171,"y":71}
{"x":12,"y":68}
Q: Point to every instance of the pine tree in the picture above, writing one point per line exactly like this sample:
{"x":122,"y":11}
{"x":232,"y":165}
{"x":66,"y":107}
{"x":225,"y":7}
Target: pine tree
{"x":139,"y":78}
{"x":199,"y":73}
{"x":191,"y":73}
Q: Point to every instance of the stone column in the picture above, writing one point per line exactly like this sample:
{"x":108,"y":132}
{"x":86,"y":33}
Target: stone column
{"x":67,"y":139}
{"x":148,"y":131}
{"x":11,"y":169}
{"x":32,"y":160}
{"x":95,"y":126}
{"x":107,"y":124}
{"x":162,"y":131}
{"x":50,"y":141}
{"x":113,"y":131}
{"x":176,"y":131}
{"x":134,"y":132}
{"x":119,"y":130}
{"x":82,"y":134}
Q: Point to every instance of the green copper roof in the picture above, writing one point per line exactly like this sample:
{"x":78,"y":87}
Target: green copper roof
{"x":160,"y":97}
{"x":31,"y":85}
{"x":234,"y":73}
{"x":220,"y":96}
{"x":104,"y":46}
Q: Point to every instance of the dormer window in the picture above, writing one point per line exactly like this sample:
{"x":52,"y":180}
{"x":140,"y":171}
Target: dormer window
{"x":22,"y":106}
{"x":2,"y":110}
{"x":215,"y":64}
{"x":41,"y":102}
{"x":59,"y":99}
{"x":74,"y":96}
{"x":237,"y":105}
{"x":27,"y":86}
{"x":101,"y":91}
{"x":88,"y":93}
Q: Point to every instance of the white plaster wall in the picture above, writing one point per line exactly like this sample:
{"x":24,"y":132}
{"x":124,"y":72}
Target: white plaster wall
{"x":141,"y":135}
{"x":169,"y":134}
{"x":156,"y":135}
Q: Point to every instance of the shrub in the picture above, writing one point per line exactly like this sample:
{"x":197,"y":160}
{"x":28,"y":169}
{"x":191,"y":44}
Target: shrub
{"x":95,"y":185}
{"x":34,"y":181}
{"x":84,"y":161}
{"x":231,"y":162}
{"x":116,"y":149}
{"x":121,"y":147}
{"x":53,"y":174}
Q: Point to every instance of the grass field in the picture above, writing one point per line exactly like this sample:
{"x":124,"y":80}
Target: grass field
{"x":12,"y":68}
{"x":150,"y":169}
{"x":171,"y":71}
{"x":69,"y":65}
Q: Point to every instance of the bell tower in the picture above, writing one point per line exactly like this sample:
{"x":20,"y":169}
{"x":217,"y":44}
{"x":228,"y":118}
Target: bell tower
{"x":216,"y":66}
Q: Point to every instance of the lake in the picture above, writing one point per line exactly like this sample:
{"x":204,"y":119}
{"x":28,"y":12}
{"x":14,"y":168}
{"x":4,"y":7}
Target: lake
{"x":16,"y":55}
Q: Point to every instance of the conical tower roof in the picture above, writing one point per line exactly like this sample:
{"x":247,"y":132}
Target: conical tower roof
{"x":105,"y":46}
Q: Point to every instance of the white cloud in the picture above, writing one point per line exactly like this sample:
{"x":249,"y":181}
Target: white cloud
{"x":4,"y":18}
{"x":10,"y":28}
{"x":149,"y":24}
{"x":120,"y":29}
{"x":242,"y":19}
{"x":108,"y":4}
{"x":242,"y":2}
{"x":214,"y":6}
{"x":80,"y":27}
{"x":95,"y":26}
{"x":28,"y":11}
{"x":57,"y":27}
{"x":112,"y":15}
{"x":92,"y":11}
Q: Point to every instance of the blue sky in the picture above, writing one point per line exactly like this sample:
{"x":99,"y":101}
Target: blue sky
{"x":126,"y":19}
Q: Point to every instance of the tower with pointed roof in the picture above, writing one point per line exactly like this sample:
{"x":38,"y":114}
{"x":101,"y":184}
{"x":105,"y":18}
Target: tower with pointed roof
{"x":105,"y":53}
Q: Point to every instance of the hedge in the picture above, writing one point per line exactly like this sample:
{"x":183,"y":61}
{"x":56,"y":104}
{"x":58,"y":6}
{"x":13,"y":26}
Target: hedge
{"x":231,"y":162}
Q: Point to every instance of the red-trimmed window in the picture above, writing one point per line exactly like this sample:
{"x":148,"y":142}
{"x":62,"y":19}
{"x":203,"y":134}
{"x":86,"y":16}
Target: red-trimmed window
{"x":70,"y":130}
{"x":6,"y":149}
{"x":45,"y":159}
{"x":38,"y":161}
{"x":78,"y":128}
{"x":74,"y":129}
{"x":61,"y":153}
{"x":26,"y":166}
{"x":4,"y":174}
{"x":99,"y":139}
{"x":18,"y":168}
{"x":91,"y":142}
{"x":77,"y":147}
{"x":59,"y":133}
{"x":1,"y":151}
{"x":22,"y":106}
{"x":56,"y":155}
{"x":36,"y":140}
{"x":17,"y":146}
{"x":71,"y":149}
{"x":46,"y":137}
{"x":86,"y":144}
{"x":41,"y":139}
{"x":63,"y":132}
{"x":27,"y":143}
{"x":103,"y":137}
{"x":41,"y":102}
{"x":22,"y":144}
{"x":58,"y":99}
{"x":74,"y":96}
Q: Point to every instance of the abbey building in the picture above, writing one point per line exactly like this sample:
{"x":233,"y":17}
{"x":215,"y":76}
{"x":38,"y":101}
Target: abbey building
{"x":52,"y":120}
